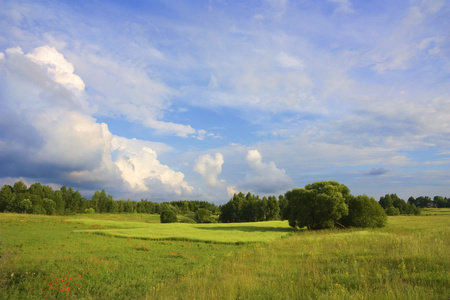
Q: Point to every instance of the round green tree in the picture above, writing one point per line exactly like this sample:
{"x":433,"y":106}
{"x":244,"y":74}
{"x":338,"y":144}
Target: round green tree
{"x":364,"y":211}
{"x":203,"y":215}
{"x":168,"y":216}
{"x":318,"y":205}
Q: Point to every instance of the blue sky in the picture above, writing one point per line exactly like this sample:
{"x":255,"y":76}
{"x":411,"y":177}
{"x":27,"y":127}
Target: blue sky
{"x":169,"y":100}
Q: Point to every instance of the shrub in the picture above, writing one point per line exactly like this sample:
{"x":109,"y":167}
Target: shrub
{"x":392,"y":211}
{"x":364,"y":211}
{"x":89,"y":210}
{"x":168,"y":216}
{"x":187,"y":220}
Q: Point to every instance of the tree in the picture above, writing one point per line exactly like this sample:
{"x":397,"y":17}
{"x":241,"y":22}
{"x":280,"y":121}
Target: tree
{"x":386,"y":201}
{"x":392,"y":211}
{"x":364,"y":211}
{"x":203,"y":215}
{"x":25,"y":206}
{"x":185,"y":207}
{"x":6,"y":196}
{"x":168,"y":216}
{"x":411,"y":209}
{"x":232,"y":211}
{"x":273,"y":209}
{"x":318,"y":205}
{"x":19,"y":187}
{"x":440,"y":201}
{"x":49,"y":206}
{"x":284,"y":211}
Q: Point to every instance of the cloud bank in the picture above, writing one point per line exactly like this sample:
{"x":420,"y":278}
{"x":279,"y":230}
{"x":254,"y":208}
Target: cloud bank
{"x":56,"y":132}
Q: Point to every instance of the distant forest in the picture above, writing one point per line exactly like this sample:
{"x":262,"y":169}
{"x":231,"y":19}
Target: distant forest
{"x":42,"y":199}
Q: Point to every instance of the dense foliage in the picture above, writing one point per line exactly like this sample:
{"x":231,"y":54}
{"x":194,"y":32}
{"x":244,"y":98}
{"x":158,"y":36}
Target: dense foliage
{"x":168,"y":216}
{"x":364,"y":211}
{"x":203,"y":215}
{"x":393,"y":205}
{"x":317,"y":206}
{"x":42,"y":199}
{"x":250,"y":208}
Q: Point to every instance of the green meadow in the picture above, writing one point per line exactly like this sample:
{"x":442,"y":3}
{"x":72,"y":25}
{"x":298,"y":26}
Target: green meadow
{"x":133,"y":256}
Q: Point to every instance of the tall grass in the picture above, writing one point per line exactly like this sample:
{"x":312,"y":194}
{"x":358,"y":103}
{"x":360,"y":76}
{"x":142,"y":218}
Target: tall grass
{"x":45,"y":257}
{"x":53,"y":257}
{"x":409,"y":259}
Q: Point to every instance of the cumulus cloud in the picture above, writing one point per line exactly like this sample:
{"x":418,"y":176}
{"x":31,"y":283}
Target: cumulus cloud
{"x":140,"y":168}
{"x":210,"y":168}
{"x":57,"y":67}
{"x":45,"y":135}
{"x":121,"y":89}
{"x":266,"y":177}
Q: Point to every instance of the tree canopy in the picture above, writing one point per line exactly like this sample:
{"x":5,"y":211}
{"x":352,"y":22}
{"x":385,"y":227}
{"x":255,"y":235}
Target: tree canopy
{"x":318,"y":205}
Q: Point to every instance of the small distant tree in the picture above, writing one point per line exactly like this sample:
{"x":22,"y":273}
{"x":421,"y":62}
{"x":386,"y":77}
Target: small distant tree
{"x":168,"y":216}
{"x":203,"y":215}
{"x":392,"y":211}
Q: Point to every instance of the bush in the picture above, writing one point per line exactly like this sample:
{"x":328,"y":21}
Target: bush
{"x":392,"y":211}
{"x":203,"y":215}
{"x":89,"y":210}
{"x":187,"y":220}
{"x":364,"y":211}
{"x":168,"y":216}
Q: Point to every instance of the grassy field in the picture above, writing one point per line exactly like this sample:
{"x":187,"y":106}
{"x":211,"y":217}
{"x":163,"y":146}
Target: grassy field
{"x":135,"y":257}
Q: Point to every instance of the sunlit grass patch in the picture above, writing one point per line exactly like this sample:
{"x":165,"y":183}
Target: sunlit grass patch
{"x":236,"y":233}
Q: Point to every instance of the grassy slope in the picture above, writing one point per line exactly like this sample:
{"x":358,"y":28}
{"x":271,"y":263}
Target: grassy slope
{"x":408,"y":259}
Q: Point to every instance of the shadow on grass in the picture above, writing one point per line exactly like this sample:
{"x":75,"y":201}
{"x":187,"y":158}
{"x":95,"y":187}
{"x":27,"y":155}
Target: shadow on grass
{"x":247,"y":228}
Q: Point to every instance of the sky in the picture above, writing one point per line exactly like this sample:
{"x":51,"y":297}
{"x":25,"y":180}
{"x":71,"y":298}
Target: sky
{"x":198,"y":100}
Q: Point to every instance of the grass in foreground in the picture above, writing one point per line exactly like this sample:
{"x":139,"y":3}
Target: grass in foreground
{"x":49,"y":257}
{"x":409,"y":259}
{"x":45,"y":257}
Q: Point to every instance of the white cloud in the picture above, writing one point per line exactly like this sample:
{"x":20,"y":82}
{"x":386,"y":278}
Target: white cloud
{"x":288,"y":61}
{"x":140,"y":168}
{"x":57,"y":67}
{"x":266,"y":177}
{"x":231,"y":190}
{"x":122,"y":89}
{"x":210,"y":167}
{"x":66,"y":141}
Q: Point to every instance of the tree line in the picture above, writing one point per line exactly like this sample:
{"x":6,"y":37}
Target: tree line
{"x":42,"y":199}
{"x":323,"y":204}
{"x":326,"y":199}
